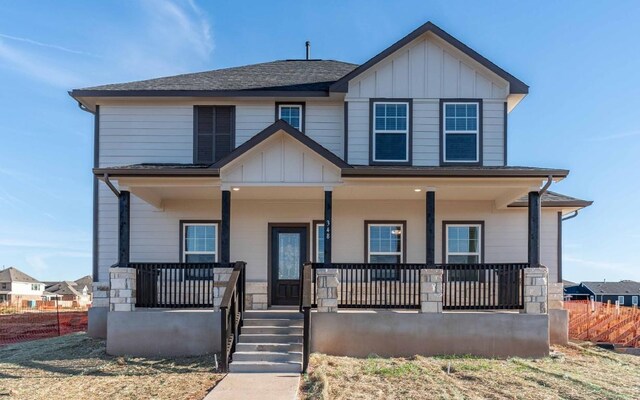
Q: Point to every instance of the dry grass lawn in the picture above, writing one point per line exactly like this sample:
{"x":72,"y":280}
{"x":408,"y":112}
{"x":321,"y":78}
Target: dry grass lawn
{"x":77,"y":367}
{"x":578,"y":371}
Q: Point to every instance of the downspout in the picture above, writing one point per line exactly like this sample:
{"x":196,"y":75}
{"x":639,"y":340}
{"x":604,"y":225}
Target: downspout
{"x":546,"y":185}
{"x":113,"y":188}
{"x":575,"y":214}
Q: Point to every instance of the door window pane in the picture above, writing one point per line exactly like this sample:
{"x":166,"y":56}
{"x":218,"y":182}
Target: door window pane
{"x":320,"y":243}
{"x":288,"y":256}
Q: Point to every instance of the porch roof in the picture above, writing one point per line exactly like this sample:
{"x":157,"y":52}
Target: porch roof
{"x":348,"y":171}
{"x":553,"y":199}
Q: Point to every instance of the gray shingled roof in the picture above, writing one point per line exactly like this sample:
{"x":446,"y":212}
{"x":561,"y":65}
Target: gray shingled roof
{"x":287,"y":75}
{"x":615,"y":288}
{"x":553,"y":199}
{"x":13,"y":274}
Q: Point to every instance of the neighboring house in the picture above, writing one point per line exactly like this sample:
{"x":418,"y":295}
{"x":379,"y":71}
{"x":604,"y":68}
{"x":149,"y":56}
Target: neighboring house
{"x":16,"y":286}
{"x":402,"y":160}
{"x":78,"y":292}
{"x":626,"y":292}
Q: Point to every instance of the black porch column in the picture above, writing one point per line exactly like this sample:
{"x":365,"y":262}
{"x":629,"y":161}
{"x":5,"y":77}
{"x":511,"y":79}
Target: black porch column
{"x":328,"y":200}
{"x":431,"y":227}
{"x":225,"y":227}
{"x":534,"y":229}
{"x":124,"y":220}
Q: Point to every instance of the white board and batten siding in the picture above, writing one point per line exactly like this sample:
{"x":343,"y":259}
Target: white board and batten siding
{"x":427,"y":70}
{"x":280,"y":160}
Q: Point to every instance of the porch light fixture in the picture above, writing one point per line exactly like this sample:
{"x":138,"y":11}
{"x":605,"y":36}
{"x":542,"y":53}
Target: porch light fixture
{"x":235,"y":189}
{"x":417,"y":190}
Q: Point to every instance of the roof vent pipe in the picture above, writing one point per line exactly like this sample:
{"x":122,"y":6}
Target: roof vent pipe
{"x":307,"y":44}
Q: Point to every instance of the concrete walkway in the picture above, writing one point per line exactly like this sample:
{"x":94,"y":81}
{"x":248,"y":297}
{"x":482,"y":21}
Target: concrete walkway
{"x":243,"y":386}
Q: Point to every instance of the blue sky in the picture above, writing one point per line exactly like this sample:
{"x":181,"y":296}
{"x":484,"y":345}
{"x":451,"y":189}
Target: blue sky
{"x":580,"y":59}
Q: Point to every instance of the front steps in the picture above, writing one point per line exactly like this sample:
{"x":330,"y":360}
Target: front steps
{"x":271,"y":341}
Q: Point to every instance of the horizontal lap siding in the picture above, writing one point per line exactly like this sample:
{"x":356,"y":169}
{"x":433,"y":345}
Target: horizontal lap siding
{"x":493,"y":133}
{"x":133,"y":135}
{"x":252,"y":118}
{"x":325,"y":122}
{"x":138,"y":134}
{"x":358,"y":139}
{"x":426,"y":132}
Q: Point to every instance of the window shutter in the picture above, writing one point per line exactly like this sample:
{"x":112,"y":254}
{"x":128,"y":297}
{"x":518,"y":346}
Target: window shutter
{"x":204,"y":135}
{"x":224,"y":123}
{"x":215,"y":126}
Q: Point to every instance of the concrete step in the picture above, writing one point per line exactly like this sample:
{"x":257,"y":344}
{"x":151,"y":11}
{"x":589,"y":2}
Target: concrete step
{"x":273,"y":314}
{"x":270,"y":347}
{"x":281,"y":330}
{"x":272,"y":322}
{"x":267,"y":356}
{"x":265,"y":366}
{"x":269,"y":338}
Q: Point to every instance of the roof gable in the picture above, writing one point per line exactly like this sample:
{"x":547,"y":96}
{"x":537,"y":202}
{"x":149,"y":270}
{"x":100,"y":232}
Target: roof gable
{"x":281,"y":154}
{"x":516,"y":86}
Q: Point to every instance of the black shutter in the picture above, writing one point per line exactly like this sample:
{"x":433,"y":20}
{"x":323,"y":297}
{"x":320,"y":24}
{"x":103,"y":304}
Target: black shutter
{"x":224,"y":125}
{"x":214,"y":133}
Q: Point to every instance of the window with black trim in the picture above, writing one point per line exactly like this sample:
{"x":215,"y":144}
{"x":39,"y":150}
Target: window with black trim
{"x":199,"y":245}
{"x":200,"y":242}
{"x":385,"y":246}
{"x":463,"y":245}
{"x":292,"y":114}
{"x":390,"y":131}
{"x":461,"y":132}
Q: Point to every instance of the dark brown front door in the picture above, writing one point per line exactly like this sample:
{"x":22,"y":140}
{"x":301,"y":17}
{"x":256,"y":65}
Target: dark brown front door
{"x":288,"y":252}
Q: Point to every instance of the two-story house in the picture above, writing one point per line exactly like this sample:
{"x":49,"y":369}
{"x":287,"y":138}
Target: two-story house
{"x":373,"y":169}
{"x":17,"y":287}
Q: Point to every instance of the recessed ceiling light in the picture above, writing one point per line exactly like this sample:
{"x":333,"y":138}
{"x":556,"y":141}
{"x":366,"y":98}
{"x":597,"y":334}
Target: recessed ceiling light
{"x":236,"y":189}
{"x":417,"y":190}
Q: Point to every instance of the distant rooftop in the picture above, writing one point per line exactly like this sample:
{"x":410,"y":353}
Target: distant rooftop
{"x":614,"y":288}
{"x":13,"y":274}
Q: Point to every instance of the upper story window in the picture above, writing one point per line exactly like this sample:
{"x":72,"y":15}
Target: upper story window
{"x":293,"y":114}
{"x":35,"y":287}
{"x":391,"y":127}
{"x":461,"y":132}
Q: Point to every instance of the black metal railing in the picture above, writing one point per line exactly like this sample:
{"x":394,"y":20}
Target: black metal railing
{"x":305,"y":307}
{"x":483,"y":286}
{"x":377,"y":285}
{"x":397,"y":286}
{"x":175,"y":285}
{"x":232,"y":313}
